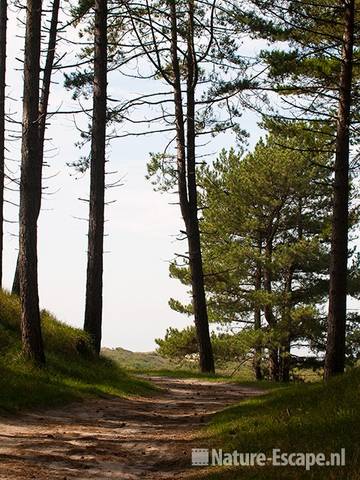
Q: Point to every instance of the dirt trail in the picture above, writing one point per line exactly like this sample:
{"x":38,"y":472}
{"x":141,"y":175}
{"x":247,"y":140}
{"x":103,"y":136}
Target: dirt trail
{"x":115,"y":438}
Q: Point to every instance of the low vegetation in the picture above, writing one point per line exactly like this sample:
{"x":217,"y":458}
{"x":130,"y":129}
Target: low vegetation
{"x":139,"y":361}
{"x":71,"y":372}
{"x":314,"y":417}
{"x":159,"y":363}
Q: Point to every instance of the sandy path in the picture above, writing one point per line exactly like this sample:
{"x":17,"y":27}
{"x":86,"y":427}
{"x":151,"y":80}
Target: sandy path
{"x":114,"y":438}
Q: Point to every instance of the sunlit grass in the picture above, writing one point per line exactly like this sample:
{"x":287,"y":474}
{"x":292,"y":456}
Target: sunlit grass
{"x":71,"y":372}
{"x":314,"y":417}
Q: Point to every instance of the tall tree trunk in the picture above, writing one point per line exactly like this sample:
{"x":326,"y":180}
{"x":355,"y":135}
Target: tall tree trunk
{"x":335,"y":347}
{"x":258,"y":349}
{"x":257,"y":321}
{"x":3,"y":25}
{"x":186,"y":162}
{"x":46,"y":81}
{"x":285,"y":358}
{"x":179,"y":119}
{"x":268,"y":313}
{"x":43,"y":108}
{"x":193,"y":231}
{"x":30,"y":189}
{"x":286,"y":341}
{"x":94,"y":281}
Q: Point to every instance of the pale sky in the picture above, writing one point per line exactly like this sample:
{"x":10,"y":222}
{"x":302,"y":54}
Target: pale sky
{"x":141,"y":226}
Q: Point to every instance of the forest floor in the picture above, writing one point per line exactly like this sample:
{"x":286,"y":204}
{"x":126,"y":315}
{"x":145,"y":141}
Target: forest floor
{"x":116,"y":438}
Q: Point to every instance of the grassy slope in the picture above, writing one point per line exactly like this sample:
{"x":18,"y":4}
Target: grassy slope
{"x":154,"y":364}
{"x":140,"y":361}
{"x":298,"y":418}
{"x":67,"y":376}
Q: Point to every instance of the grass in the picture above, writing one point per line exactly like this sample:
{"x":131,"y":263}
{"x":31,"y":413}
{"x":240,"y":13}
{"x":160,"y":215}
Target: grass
{"x":69,"y":374}
{"x":312,"y":417}
{"x":138,"y":361}
{"x":154,"y":364}
{"x":304,"y":417}
{"x":191,"y":371}
{"x":243,"y":378}
{"x":179,"y":373}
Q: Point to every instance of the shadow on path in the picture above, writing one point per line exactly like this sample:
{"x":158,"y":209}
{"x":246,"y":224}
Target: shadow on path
{"x":115,"y":438}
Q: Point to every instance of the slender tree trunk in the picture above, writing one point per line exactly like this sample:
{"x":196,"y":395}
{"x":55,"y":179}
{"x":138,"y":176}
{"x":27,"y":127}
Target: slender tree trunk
{"x":285,"y":360}
{"x":274,"y":366}
{"x":48,"y":69}
{"x":187,"y":184}
{"x":3,"y":25}
{"x":43,"y":108}
{"x":335,"y":347}
{"x":285,"y":357}
{"x":199,"y":301}
{"x":286,"y":342}
{"x":94,"y":282}
{"x":258,"y":349}
{"x":193,"y":231}
{"x":30,"y":189}
{"x":268,"y":313}
{"x":179,"y":119}
{"x":257,"y":322}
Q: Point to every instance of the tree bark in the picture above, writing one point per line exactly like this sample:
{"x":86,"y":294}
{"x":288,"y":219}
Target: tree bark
{"x":3,"y":26}
{"x":257,"y":321}
{"x":46,"y":81}
{"x":335,"y":347}
{"x":286,"y":342}
{"x":274,"y":367}
{"x":186,"y":166}
{"x":43,"y":108}
{"x":30,"y":189}
{"x":258,"y":349}
{"x":285,"y":360}
{"x":94,"y":280}
{"x":193,"y":231}
{"x":268,"y":313}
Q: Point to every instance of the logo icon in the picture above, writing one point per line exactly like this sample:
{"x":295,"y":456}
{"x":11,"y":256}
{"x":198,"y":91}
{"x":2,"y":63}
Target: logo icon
{"x":200,"y":456}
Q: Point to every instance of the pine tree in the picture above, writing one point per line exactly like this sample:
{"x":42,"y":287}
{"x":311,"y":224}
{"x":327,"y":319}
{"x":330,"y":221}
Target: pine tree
{"x":335,"y":347}
{"x":94,"y":282}
{"x":267,"y":211}
{"x":186,"y":161}
{"x":314,"y":76}
{"x":30,"y":188}
{"x":43,"y":109}
{"x":3,"y":27}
